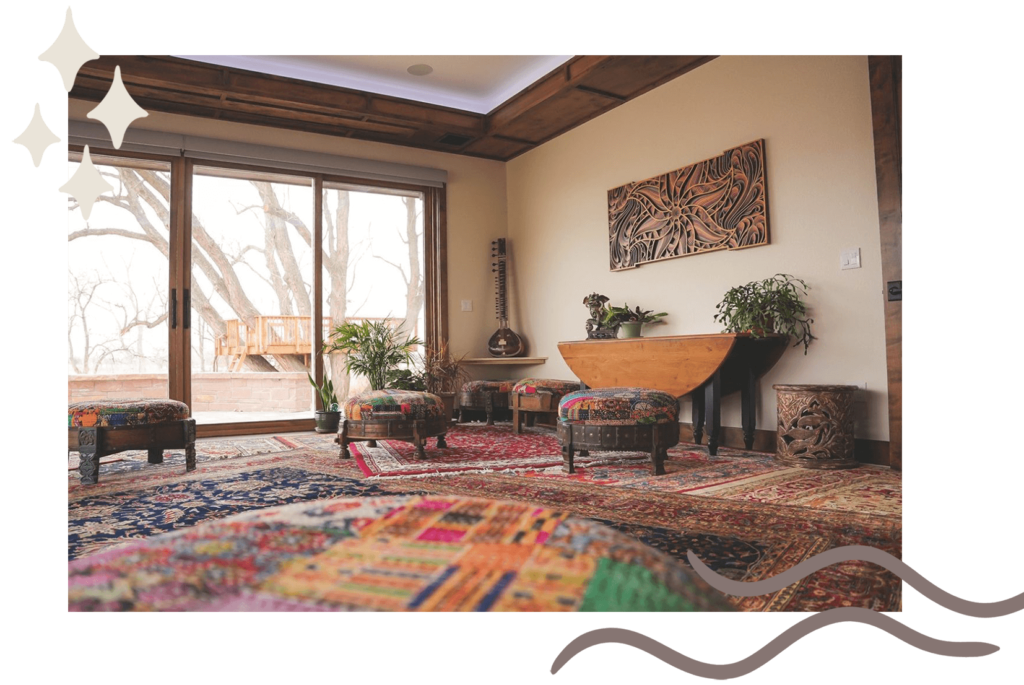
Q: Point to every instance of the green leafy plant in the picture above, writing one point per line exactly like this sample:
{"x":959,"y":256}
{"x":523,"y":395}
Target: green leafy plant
{"x":614,"y":316}
{"x":372,"y":349}
{"x":773,"y":305}
{"x":443,"y":372}
{"x":328,"y":399}
{"x":406,"y":379}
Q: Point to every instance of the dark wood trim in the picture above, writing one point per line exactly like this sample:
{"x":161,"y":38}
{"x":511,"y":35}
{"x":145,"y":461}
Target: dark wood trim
{"x":176,"y":270}
{"x":435,"y":247}
{"x":185,"y":358}
{"x":865,"y":451}
{"x":213,"y":430}
{"x":318,"y":285}
{"x":579,"y":90}
{"x":886,"y":76}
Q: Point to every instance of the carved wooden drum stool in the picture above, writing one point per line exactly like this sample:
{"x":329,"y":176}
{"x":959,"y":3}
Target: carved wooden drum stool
{"x":816,"y":426}
{"x":532,"y":396}
{"x":96,"y":429}
{"x":405,"y":415}
{"x":485,"y":396}
{"x":618,"y":419}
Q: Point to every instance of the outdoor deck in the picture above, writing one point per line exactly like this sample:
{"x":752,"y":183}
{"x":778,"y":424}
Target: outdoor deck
{"x":272,"y":335}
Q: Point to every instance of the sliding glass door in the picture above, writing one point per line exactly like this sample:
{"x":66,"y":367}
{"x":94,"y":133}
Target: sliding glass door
{"x":118,"y":278}
{"x":373,"y":265}
{"x":216,"y":284}
{"x":251,"y":296}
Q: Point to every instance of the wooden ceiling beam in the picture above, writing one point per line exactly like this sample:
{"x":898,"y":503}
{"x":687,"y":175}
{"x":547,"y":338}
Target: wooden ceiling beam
{"x":573,"y":93}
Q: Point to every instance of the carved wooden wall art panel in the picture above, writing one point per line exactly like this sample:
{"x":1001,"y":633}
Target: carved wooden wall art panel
{"x":718,"y":204}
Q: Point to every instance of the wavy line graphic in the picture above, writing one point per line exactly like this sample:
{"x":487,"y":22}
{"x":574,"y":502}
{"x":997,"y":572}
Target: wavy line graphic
{"x":773,"y":648}
{"x":805,"y":568}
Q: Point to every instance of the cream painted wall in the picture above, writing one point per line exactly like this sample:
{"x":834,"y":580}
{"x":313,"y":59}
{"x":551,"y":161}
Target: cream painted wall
{"x":476,"y":205}
{"x":815,"y":116}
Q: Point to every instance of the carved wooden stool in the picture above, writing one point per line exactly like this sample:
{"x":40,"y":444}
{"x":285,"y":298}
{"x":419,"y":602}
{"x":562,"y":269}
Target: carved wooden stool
{"x":485,"y":396}
{"x":618,"y":419}
{"x":815,"y":426}
{"x":532,"y":396}
{"x":96,"y":429}
{"x":393,"y":415}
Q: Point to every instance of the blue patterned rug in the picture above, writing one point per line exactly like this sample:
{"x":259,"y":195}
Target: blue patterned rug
{"x":144,"y":499}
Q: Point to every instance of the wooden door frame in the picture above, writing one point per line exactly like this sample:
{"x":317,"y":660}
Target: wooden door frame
{"x":180,"y":260}
{"x":885,"y":74}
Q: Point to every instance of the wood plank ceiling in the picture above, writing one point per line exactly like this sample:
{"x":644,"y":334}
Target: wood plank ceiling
{"x":572,"y":94}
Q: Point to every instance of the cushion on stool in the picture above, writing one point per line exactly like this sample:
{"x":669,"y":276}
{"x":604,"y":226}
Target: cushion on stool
{"x":393,"y":404}
{"x":532,"y":386}
{"x":114,"y":413}
{"x":619,"y":406}
{"x":487,"y":386}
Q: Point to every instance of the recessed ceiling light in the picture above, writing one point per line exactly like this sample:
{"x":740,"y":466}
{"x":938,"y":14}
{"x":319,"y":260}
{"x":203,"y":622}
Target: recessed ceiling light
{"x":420,"y":69}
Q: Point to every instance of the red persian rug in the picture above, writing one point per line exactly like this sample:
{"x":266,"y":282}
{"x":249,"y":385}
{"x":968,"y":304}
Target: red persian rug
{"x":476,"y":449}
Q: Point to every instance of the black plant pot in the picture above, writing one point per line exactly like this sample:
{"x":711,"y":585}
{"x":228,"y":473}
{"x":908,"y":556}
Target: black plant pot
{"x":327,"y":421}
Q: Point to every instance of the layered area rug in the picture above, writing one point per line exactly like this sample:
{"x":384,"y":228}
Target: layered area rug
{"x":475,"y":448}
{"x":746,"y":540}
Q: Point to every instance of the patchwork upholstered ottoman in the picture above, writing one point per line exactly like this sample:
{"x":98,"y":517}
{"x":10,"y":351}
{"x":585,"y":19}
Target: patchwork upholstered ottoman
{"x":96,"y":429}
{"x":618,"y":419}
{"x":485,"y":396}
{"x":393,"y":415}
{"x":532,"y":396}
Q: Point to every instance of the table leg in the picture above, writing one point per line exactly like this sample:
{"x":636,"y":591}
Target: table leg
{"x":713,"y":407}
{"x":698,"y":414}
{"x":748,"y":401}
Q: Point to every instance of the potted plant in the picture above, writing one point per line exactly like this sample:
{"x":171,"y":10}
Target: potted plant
{"x":773,"y":305}
{"x":631,"y":321}
{"x":406,"y":379}
{"x":329,"y":416}
{"x":372,"y":349}
{"x":444,"y":375}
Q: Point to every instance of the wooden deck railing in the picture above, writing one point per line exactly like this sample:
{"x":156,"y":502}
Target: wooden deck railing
{"x":273,"y":335}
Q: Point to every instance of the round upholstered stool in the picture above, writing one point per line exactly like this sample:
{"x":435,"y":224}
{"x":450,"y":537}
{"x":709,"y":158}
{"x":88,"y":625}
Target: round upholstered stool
{"x":485,"y":396}
{"x":96,"y":429}
{"x":393,"y":415}
{"x":618,"y":419}
{"x":532,"y":396}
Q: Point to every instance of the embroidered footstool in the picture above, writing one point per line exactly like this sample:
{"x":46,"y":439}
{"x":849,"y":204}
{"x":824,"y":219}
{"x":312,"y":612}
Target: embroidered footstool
{"x":96,"y":429}
{"x":532,"y":396}
{"x":618,"y":419}
{"x":485,"y":396}
{"x":406,"y":415}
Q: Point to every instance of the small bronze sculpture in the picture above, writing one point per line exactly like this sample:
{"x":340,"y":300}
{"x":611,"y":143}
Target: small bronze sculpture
{"x":596,"y":330}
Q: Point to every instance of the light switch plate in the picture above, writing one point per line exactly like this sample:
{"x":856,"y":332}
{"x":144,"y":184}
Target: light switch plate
{"x":467,"y":305}
{"x":850,"y":259}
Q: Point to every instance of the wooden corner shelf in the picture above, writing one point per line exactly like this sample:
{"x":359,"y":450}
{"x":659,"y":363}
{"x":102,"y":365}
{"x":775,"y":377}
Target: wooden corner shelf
{"x":504,"y":361}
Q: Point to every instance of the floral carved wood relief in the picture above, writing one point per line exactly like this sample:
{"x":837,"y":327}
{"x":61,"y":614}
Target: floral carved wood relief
{"x":718,"y":204}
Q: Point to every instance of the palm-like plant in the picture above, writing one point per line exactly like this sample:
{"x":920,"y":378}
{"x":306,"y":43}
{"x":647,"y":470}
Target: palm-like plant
{"x":372,"y":349}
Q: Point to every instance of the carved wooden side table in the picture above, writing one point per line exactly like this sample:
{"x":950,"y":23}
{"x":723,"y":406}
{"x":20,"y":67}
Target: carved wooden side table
{"x":815,"y":426}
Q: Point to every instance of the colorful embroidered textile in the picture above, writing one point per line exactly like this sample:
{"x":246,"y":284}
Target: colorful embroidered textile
{"x":115,"y":413}
{"x":531,"y":386}
{"x":404,"y":553}
{"x":393,"y":404}
{"x":619,"y":406}
{"x":487,"y":386}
